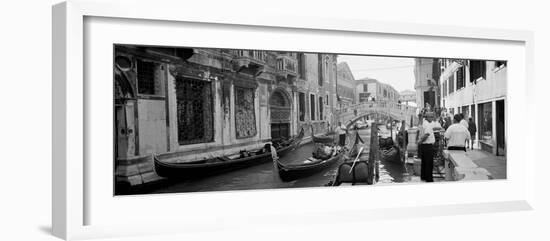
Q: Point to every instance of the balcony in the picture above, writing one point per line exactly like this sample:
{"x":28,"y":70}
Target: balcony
{"x":256,"y":56}
{"x":250,"y":61}
{"x":287,"y":67}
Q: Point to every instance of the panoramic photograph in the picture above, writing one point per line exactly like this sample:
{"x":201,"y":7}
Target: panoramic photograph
{"x":190,"y":119}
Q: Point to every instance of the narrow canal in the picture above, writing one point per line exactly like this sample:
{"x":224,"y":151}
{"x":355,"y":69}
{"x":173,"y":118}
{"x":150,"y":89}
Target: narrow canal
{"x":264,"y":176}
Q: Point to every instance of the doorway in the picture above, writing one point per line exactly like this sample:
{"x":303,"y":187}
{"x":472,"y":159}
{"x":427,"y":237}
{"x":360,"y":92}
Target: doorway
{"x":280,"y":130}
{"x":429,"y":97}
{"x":280,"y":110}
{"x":125,"y":130}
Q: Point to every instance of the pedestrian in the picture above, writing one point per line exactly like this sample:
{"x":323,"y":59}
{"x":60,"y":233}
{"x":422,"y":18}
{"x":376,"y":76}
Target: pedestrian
{"x":426,"y":147}
{"x":341,"y":130}
{"x":442,"y":122}
{"x":448,"y":122}
{"x":457,"y":135}
{"x":402,"y":135}
{"x":463,"y":120}
{"x":428,"y":107}
{"x":444,"y":113}
{"x":437,"y":123}
{"x":472,"y":129}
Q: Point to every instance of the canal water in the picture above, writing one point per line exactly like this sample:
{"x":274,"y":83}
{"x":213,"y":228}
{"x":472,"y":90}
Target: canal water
{"x":264,"y":176}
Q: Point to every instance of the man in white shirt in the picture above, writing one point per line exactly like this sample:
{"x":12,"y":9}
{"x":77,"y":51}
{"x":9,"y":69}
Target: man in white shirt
{"x":426,"y":147}
{"x":341,"y":130}
{"x":457,"y":135}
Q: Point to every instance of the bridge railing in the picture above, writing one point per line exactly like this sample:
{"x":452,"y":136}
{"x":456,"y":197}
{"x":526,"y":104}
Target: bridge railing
{"x":386,"y":105}
{"x":395,"y":110}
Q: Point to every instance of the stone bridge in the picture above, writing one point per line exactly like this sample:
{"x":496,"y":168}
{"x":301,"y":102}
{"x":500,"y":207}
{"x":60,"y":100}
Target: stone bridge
{"x":377,"y":110}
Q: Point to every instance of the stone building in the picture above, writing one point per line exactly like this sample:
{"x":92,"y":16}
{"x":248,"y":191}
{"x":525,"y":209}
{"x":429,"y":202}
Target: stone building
{"x":316,"y":92}
{"x":477,"y":88}
{"x":197,"y":103}
{"x":368,"y":89}
{"x":426,"y":74}
{"x":345,"y":85}
{"x":408,"y":97}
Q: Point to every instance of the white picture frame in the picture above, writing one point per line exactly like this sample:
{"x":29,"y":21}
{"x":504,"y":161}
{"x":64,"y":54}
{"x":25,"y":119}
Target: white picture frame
{"x":75,"y":201}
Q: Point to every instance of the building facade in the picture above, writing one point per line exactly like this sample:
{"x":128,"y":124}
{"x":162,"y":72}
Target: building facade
{"x":426,"y":74}
{"x":477,"y":88}
{"x":196,"y":103}
{"x":345,"y":87}
{"x":408,"y":97}
{"x":316,"y":98}
{"x":368,"y":89}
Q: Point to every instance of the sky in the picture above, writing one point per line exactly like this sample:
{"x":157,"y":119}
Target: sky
{"x":397,"y":72}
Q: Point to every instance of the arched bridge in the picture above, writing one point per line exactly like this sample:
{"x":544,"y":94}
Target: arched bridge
{"x":377,"y":109}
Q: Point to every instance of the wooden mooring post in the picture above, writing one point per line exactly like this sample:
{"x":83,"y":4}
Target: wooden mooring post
{"x":373,"y":172}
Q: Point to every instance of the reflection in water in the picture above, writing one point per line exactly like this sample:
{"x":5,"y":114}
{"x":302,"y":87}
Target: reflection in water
{"x":394,"y":173}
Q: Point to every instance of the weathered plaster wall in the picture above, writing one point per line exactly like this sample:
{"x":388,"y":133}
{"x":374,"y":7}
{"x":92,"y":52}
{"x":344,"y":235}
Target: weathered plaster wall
{"x":152,"y":126}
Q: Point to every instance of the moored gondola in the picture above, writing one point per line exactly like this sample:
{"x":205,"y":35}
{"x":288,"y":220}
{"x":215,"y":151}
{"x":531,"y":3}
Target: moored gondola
{"x":171,"y":168}
{"x":389,"y":150}
{"x":284,"y":148}
{"x":318,"y":162}
{"x":352,"y":170}
{"x":324,"y":138}
{"x":391,"y":155}
{"x":293,"y":171}
{"x":168,"y":166}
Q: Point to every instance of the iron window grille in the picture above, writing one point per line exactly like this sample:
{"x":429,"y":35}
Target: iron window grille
{"x":194,"y":111}
{"x":245,"y":116}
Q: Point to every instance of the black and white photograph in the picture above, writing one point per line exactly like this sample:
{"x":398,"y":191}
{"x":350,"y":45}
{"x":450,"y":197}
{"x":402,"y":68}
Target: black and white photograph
{"x":190,"y":119}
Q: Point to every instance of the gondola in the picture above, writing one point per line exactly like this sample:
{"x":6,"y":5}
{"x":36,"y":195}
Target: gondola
{"x":391,"y":155}
{"x":216,"y":165}
{"x":353,"y":147}
{"x":352,"y":170}
{"x":283,"y":149}
{"x":293,"y":171}
{"x":166,"y":166}
{"x":389,"y":151}
{"x":325,"y":138}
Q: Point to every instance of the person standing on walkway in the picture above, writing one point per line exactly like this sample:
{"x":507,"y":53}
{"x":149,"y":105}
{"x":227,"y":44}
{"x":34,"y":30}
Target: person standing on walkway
{"x":463,"y":120}
{"x":426,"y":147}
{"x":472,"y":129}
{"x":447,"y":122}
{"x":457,"y":135}
{"x":341,"y":130}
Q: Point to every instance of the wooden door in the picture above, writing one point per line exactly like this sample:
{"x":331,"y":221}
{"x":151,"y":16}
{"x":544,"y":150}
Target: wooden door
{"x":280,"y":130}
{"x":125,"y":130}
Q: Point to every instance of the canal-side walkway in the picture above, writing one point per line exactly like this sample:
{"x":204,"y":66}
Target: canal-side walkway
{"x":496,"y":165}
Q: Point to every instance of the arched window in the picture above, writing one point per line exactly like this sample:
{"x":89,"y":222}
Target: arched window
{"x":278,"y":99}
